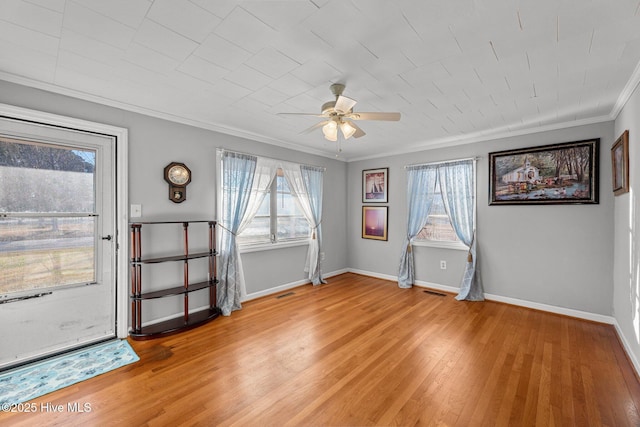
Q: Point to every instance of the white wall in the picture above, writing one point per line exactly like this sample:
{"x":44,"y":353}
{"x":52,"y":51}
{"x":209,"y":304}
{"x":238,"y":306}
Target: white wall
{"x":154,"y":143}
{"x":557,"y":255}
{"x":626,"y":278}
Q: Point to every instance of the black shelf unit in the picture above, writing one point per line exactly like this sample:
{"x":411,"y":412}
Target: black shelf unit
{"x":187,"y":320}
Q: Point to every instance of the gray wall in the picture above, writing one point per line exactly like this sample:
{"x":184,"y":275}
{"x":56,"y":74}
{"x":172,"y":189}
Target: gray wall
{"x":154,"y":143}
{"x":556,"y":255}
{"x":626,"y":279}
{"x":559,"y":255}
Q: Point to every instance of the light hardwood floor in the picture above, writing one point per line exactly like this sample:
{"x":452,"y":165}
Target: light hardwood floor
{"x":361,"y":351}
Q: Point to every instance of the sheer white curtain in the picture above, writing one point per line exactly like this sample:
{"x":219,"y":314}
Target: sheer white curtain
{"x":457,"y":186}
{"x":266,"y":170}
{"x":245,"y":182}
{"x":421,"y":185}
{"x":237,"y":172}
{"x":307,"y":188}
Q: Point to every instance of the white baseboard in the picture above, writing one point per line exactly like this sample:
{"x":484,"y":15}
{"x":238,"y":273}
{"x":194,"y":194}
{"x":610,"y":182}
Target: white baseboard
{"x":438,"y":287}
{"x":372,"y":274}
{"x":286,"y":286}
{"x":627,"y":348}
{"x":594,"y":317}
{"x":274,"y":290}
{"x":171,"y":316}
{"x":490,"y":297}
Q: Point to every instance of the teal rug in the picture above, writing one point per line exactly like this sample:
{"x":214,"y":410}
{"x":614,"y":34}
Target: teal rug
{"x":28,"y":382}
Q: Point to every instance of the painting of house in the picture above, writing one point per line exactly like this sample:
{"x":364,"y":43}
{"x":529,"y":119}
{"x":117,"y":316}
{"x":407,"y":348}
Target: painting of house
{"x":525,"y":173}
{"x":556,"y":173}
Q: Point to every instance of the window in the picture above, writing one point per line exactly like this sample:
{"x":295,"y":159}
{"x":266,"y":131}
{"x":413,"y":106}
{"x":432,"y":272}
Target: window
{"x":47,"y":220}
{"x":279,"y":218}
{"x":438,"y":227}
{"x":438,"y":231}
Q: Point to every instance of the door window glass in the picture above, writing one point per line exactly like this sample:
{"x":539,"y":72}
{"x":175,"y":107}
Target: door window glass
{"x":48,"y":217}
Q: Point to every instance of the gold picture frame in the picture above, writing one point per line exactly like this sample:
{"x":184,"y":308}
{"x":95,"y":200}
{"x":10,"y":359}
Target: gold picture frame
{"x":620,"y":164}
{"x":374,"y":222}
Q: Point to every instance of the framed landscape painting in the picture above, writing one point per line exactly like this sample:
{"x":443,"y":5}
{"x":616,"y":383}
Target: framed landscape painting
{"x":375,"y":185}
{"x":620,"y":164}
{"x":565,"y":173}
{"x":374,"y":222}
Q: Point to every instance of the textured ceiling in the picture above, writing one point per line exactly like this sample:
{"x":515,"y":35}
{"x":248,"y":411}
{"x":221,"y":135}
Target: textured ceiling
{"x":457,"y":70}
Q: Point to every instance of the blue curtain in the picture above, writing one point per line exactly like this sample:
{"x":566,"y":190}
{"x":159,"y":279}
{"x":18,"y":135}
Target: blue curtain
{"x":238,"y":172}
{"x":312,"y":178}
{"x":421,"y":182}
{"x":457,"y":188}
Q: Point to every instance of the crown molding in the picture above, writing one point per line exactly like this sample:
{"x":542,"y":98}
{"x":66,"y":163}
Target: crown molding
{"x":486,"y":136}
{"x":626,"y":93}
{"x":227,"y":130}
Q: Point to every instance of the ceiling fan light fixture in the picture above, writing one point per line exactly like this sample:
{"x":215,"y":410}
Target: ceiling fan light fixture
{"x":330,"y":131}
{"x":339,"y":114}
{"x":347,"y":129}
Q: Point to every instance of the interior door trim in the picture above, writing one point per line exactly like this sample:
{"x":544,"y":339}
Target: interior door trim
{"x":120,"y":154}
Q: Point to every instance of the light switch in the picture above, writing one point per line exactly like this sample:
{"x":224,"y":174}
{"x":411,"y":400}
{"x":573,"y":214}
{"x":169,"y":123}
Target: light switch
{"x":136,"y":211}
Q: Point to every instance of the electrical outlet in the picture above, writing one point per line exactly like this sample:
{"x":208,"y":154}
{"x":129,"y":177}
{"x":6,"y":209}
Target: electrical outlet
{"x":443,"y":265}
{"x":321,"y":256}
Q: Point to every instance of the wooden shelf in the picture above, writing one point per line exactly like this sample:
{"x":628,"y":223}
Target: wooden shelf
{"x":176,"y":325}
{"x":178,"y":290}
{"x":201,"y":221}
{"x":174,"y":258}
{"x":138,"y":297}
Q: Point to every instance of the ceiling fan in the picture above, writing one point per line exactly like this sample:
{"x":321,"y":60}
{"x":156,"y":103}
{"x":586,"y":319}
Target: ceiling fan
{"x":339,"y":114}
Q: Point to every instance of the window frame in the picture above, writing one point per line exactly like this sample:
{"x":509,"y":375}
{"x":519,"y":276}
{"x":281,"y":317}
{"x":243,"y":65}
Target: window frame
{"x":457,"y":245}
{"x":259,"y":246}
{"x":273,"y":225}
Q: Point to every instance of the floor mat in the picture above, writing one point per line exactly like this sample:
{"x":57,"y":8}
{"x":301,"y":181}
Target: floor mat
{"x":28,"y":382}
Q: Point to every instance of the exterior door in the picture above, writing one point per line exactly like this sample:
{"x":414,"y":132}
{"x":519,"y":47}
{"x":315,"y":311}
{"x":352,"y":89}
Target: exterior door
{"x":57,"y":240}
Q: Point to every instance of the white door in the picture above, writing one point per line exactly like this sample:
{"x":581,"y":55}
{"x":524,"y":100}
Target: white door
{"x":57,"y":240}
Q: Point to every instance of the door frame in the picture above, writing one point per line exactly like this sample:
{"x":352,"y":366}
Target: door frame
{"x":121,"y":218}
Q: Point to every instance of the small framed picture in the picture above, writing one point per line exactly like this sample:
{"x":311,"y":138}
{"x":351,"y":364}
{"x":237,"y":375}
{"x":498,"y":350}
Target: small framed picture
{"x":374,"y":222}
{"x":620,"y":164}
{"x":375,"y":185}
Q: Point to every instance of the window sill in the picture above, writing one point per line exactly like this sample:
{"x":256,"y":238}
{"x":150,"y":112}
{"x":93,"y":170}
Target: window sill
{"x":258,"y":247}
{"x":441,"y":245}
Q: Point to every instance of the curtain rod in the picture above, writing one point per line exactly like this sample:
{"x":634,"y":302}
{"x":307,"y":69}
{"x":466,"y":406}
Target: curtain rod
{"x":443,"y":162}
{"x":270,"y":158}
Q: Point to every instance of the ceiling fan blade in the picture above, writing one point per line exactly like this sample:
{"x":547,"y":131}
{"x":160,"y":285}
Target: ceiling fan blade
{"x":314,"y":127}
{"x":344,"y":104}
{"x":359,"y":132}
{"x":391,"y":117}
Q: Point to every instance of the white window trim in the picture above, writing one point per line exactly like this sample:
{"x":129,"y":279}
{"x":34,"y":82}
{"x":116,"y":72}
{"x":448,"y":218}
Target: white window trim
{"x":459,"y":246}
{"x":259,"y":247}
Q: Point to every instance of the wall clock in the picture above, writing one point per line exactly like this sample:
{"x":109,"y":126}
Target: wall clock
{"x":178,"y":175}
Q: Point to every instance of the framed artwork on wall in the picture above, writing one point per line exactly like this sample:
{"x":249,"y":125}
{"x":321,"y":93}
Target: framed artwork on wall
{"x":374,"y":222}
{"x":620,"y":164}
{"x":565,"y":173}
{"x":375,"y":185}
